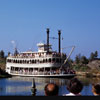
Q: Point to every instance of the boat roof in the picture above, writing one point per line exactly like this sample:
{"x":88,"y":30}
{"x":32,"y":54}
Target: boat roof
{"x":26,"y":52}
{"x":42,"y":44}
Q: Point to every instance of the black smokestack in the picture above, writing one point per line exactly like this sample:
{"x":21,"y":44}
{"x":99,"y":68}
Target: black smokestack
{"x":47,"y":39}
{"x":59,"y":41}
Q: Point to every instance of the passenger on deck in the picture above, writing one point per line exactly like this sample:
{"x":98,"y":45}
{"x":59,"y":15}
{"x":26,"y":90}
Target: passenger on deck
{"x":74,"y":86}
{"x":51,"y":89}
{"x":96,"y":89}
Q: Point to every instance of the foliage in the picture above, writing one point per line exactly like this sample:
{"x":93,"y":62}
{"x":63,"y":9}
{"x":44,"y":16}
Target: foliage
{"x":81,"y":68}
{"x":84,"y":60}
{"x":81,"y":59}
{"x":2,"y":54}
{"x":93,"y":55}
{"x":77,"y":58}
{"x":96,"y":54}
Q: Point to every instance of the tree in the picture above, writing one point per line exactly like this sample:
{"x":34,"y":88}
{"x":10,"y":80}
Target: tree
{"x":92,"y":56}
{"x":77,"y":58}
{"x":96,"y":54}
{"x":70,"y":61}
{"x":1,"y":54}
{"x":84,"y":60}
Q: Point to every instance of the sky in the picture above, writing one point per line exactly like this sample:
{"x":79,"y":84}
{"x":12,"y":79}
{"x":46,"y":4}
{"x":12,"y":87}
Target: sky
{"x":26,"y":21}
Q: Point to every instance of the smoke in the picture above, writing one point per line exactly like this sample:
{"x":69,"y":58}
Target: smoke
{"x":12,"y":41}
{"x":14,"y":44}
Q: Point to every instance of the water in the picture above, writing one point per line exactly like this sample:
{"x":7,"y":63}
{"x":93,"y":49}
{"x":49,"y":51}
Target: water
{"x":21,"y":86}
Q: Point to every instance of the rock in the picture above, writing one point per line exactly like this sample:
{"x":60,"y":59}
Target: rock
{"x":95,"y":64}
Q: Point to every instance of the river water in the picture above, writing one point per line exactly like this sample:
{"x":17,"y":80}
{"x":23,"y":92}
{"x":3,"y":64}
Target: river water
{"x":21,"y":86}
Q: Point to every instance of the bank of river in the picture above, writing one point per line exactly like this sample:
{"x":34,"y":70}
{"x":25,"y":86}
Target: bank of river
{"x":87,"y":74}
{"x":5,"y":76}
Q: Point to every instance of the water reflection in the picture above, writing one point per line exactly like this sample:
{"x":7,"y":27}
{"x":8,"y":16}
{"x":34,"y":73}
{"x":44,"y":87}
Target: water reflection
{"x":88,"y":84}
{"x":22,"y":85}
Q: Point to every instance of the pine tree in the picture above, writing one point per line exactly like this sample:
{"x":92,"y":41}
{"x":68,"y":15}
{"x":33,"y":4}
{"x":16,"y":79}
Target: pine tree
{"x":1,"y":54}
{"x":84,"y":60}
{"x":77,"y":58}
{"x":96,"y":54}
{"x":92,"y":56}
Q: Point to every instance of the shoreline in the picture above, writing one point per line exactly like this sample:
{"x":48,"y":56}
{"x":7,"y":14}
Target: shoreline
{"x":5,"y":76}
{"x":87,"y":74}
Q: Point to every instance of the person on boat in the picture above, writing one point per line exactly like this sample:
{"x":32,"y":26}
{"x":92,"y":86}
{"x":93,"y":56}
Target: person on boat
{"x":51,"y":89}
{"x":96,"y":89}
{"x":74,"y":86}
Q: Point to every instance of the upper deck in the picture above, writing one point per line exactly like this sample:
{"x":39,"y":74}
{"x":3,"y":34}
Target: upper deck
{"x":41,"y":53}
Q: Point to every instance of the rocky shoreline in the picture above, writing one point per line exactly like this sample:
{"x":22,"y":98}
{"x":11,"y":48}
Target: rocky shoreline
{"x":88,"y":74}
{"x":3,"y":74}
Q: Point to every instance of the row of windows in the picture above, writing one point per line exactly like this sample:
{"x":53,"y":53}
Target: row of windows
{"x":31,"y":69}
{"x":54,"y":60}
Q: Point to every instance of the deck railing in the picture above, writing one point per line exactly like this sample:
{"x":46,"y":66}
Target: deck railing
{"x":32,"y":73}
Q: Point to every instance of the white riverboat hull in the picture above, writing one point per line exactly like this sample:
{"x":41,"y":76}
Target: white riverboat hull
{"x":51,"y":76}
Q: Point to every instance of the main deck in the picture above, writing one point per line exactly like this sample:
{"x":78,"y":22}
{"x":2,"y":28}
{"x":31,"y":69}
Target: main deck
{"x":46,"y":76}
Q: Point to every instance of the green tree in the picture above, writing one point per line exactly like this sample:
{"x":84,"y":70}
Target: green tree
{"x":92,"y":56}
{"x":96,"y":54}
{"x":84,"y":60}
{"x":1,"y":54}
{"x":70,"y":61}
{"x":77,"y":58}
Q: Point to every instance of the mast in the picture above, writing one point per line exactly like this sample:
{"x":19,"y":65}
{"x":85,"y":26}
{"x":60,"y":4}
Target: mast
{"x":59,"y":41}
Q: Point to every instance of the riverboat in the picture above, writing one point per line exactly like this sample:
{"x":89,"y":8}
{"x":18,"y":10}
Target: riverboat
{"x":43,"y":63}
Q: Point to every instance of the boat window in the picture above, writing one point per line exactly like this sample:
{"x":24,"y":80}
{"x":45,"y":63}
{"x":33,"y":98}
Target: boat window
{"x":16,"y":69}
{"x":57,"y":60}
{"x":11,"y":68}
{"x":35,"y":61}
{"x":23,"y":61}
{"x":16,"y":61}
{"x":13,"y":61}
{"x":53,"y":59}
{"x":32,"y":61}
{"x":49,"y":59}
{"x":20,"y":61}
{"x":60,"y":60}
{"x":7,"y":67}
{"x":8,"y":60}
{"x":27,"y":62}
{"x":43,"y":60}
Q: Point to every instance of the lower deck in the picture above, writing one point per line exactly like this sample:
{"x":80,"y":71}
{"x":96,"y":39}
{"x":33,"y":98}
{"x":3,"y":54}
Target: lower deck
{"x":47,"y":76}
{"x":41,"y":72}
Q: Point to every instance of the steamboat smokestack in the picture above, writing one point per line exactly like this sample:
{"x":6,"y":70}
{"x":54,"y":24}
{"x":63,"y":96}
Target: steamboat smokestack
{"x":59,"y":41}
{"x":47,"y":40}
